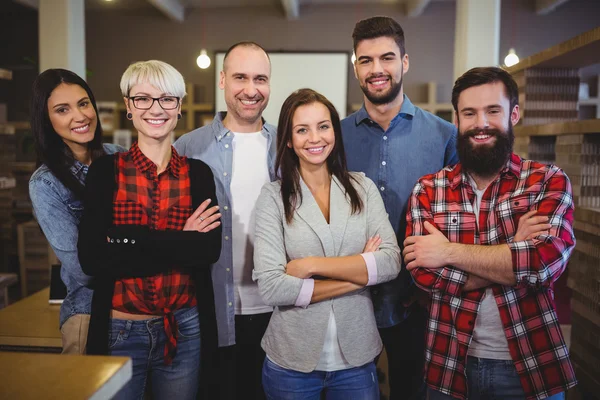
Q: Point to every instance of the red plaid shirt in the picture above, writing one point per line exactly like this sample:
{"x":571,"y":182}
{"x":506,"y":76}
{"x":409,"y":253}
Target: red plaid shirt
{"x":161,"y":202}
{"x":527,"y":310}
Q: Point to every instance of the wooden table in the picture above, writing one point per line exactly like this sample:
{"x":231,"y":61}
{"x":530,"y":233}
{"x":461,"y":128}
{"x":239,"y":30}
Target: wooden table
{"x":54,"y":376}
{"x":31,"y":324}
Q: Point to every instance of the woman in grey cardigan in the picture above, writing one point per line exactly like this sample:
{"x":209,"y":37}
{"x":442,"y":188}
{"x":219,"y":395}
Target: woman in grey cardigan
{"x":322,"y":236}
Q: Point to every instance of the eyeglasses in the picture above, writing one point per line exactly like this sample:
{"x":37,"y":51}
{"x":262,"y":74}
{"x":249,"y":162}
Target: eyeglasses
{"x":146,"y":103}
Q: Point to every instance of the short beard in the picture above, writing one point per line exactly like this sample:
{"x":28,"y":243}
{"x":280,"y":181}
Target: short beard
{"x":391,"y":95}
{"x":485,"y":161}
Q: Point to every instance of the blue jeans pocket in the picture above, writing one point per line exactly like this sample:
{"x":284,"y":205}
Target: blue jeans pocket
{"x":188,"y":328}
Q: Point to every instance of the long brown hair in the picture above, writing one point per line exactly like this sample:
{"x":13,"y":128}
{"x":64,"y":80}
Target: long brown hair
{"x":50,"y":148}
{"x":287,"y":164}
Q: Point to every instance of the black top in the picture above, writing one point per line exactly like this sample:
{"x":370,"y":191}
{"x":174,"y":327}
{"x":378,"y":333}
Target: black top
{"x":154,"y":252}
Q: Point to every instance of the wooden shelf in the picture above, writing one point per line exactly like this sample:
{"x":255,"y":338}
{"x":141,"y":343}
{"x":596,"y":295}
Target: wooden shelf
{"x":559,"y":128}
{"x":577,"y":52}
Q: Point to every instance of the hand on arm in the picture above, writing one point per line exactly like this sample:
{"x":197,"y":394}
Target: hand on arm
{"x":203,"y":219}
{"x":348,"y":268}
{"x":492,"y":263}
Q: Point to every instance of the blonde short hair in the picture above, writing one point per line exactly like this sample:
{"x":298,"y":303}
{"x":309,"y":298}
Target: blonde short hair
{"x":157,"y":73}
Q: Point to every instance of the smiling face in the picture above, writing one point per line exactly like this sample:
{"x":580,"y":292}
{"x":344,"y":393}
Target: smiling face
{"x":72,"y":115}
{"x":380,"y":68}
{"x":313,"y":136}
{"x":484,"y":122}
{"x":154,"y":123}
{"x":245,"y":80}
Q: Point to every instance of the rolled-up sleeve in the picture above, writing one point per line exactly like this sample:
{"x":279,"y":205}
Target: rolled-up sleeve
{"x":275,"y":286}
{"x":540,"y":261}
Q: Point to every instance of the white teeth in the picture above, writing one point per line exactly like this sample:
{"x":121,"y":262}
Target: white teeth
{"x":316,"y":149}
{"x":249,"y":102}
{"x":156,"y":121}
{"x":81,"y":129}
{"x":378,"y":82}
{"x":481,"y":137}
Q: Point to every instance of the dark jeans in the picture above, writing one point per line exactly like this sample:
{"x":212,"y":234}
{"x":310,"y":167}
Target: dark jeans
{"x":491,"y":379}
{"x":240,"y":365}
{"x":405,"y":348}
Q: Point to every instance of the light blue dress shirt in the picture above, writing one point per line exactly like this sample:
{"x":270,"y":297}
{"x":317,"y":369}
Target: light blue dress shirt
{"x":213,"y":144}
{"x":415,"y":144}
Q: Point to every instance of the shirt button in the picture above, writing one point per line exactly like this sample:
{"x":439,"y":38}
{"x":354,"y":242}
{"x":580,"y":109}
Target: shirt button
{"x":118,"y":240}
{"x":132,"y":241}
{"x":226,"y":237}
{"x":382,"y":188}
{"x":383,"y":163}
{"x":125,"y":240}
{"x":219,"y":137}
{"x":385,"y":138}
{"x":224,"y":173}
{"x":229,"y":304}
{"x":227,"y":269}
{"x":225,"y":208}
{"x":228,"y":134}
{"x":226,"y":146}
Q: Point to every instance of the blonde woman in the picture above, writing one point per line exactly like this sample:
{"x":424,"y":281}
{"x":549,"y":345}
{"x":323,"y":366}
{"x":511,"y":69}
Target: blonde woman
{"x":149,"y":232}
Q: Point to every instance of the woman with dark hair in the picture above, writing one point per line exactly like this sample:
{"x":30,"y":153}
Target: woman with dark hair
{"x":149,"y":234}
{"x":68,"y":137}
{"x":322,"y":236}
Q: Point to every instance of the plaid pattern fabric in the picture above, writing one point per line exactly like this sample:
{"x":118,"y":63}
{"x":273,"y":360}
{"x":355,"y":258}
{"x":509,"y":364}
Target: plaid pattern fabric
{"x":160,"y":202}
{"x":527,"y":310}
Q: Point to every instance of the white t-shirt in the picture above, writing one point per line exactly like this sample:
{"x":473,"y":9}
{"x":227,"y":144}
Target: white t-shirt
{"x":249,"y":173}
{"x":489,"y":340}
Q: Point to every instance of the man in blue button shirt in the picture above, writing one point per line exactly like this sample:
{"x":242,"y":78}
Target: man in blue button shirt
{"x":394,"y":143}
{"x":239,"y":147}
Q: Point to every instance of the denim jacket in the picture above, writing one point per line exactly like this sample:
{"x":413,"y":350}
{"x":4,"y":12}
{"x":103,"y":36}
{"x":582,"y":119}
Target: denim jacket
{"x":58,"y":212}
{"x":213,"y":144}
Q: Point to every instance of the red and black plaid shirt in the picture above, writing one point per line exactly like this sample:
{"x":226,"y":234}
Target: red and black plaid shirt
{"x":161,"y":202}
{"x":527,"y":310}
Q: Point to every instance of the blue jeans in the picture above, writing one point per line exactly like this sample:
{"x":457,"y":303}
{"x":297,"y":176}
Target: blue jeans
{"x":144,"y":341}
{"x":358,"y":383}
{"x":491,"y":379}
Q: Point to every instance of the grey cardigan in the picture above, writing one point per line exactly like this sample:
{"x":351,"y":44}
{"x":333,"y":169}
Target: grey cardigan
{"x":295,"y":336}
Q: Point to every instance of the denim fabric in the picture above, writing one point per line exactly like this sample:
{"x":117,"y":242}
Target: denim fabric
{"x":213,"y":144}
{"x":58,"y":212}
{"x":358,"y":383}
{"x":144,"y":341}
{"x":491,"y":379}
{"x":415,"y":144}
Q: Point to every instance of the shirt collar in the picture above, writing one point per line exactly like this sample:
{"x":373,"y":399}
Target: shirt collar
{"x":512,"y":168}
{"x":77,"y":167}
{"x":408,"y":108}
{"x":219,"y":130}
{"x":144,"y":164}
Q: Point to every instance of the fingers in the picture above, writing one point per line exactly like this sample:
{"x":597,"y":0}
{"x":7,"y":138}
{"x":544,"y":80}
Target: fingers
{"x":430,"y":228}
{"x":372,"y":244}
{"x":206,"y":214}
{"x":200,"y":209}
{"x":408,"y":249}
{"x":528,"y":214}
{"x":409,"y":257}
{"x":204,"y":222}
{"x":211,"y":226}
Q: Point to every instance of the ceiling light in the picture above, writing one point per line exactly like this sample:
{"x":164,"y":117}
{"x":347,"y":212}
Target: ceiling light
{"x":203,"y":60}
{"x":511,"y":58}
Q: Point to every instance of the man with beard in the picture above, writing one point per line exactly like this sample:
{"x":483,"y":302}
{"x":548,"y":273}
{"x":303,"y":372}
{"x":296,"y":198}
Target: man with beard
{"x":239,"y":146}
{"x":487,"y":239}
{"x":394,"y":143}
